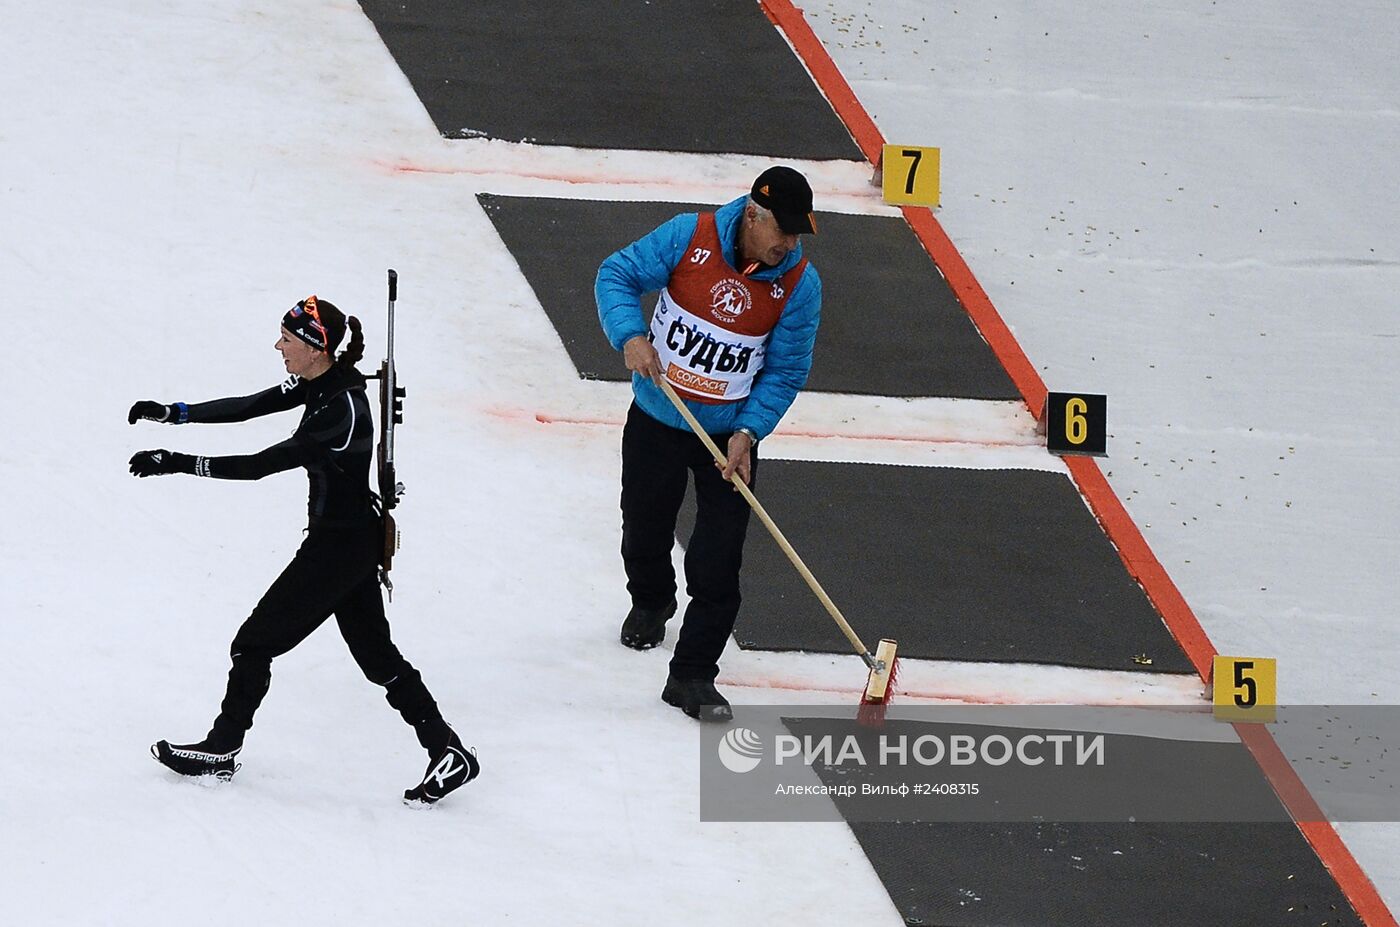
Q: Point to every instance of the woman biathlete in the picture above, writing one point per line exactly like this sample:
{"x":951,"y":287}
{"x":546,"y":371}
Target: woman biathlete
{"x":335,"y":571}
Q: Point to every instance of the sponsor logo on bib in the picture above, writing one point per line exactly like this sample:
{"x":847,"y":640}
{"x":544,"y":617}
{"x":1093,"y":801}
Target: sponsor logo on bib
{"x":694,"y":382}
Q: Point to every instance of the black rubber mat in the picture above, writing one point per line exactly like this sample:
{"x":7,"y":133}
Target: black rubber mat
{"x":1052,"y":874}
{"x":890,"y":324}
{"x":979,"y":565}
{"x":700,"y":75}
{"x":1146,"y":875}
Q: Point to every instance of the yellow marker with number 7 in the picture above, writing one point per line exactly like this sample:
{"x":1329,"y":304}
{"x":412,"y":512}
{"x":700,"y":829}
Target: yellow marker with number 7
{"x":910,"y":175}
{"x":1244,"y":688}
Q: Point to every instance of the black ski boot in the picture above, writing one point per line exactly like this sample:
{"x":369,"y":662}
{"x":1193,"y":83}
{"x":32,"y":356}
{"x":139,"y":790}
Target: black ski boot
{"x":698,"y":698}
{"x":450,"y":769}
{"x":201,"y":759}
{"x":644,"y":628}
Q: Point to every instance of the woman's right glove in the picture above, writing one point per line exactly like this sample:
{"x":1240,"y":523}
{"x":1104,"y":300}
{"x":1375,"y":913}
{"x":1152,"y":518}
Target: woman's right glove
{"x":160,"y":462}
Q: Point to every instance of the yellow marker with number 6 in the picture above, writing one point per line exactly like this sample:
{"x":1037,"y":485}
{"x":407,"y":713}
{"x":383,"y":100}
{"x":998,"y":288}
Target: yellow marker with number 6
{"x":1245,"y":688}
{"x":910,"y":175}
{"x":1075,"y":423}
{"x":1076,"y":426}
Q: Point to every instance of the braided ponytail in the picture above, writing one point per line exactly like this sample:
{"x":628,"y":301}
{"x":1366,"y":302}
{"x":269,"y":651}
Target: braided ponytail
{"x":355,"y":351}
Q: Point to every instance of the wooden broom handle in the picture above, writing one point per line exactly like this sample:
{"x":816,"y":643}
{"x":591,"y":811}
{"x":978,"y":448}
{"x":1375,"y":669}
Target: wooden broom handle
{"x":739,"y":484}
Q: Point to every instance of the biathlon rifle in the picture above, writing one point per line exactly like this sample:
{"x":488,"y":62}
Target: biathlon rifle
{"x":390,"y":414}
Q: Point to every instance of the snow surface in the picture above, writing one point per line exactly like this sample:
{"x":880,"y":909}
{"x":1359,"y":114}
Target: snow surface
{"x":1188,"y":209}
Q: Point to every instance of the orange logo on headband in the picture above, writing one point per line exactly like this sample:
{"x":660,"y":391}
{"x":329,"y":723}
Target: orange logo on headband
{"x":308,"y":308}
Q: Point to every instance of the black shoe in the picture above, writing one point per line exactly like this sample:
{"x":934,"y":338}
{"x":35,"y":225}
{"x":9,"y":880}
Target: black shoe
{"x":644,"y":628}
{"x":698,"y":698}
{"x":454,"y":767}
{"x":196,"y":759}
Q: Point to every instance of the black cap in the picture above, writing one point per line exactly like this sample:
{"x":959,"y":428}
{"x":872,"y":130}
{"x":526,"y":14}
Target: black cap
{"x":786,"y":194}
{"x":318,"y":322}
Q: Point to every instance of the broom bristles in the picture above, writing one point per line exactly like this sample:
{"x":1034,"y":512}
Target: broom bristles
{"x":875,"y":700}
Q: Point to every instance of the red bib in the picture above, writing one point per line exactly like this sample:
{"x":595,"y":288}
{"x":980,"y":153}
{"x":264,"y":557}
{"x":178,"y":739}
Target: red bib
{"x":712,"y":323}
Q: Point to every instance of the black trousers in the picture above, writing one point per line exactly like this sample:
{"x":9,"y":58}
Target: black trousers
{"x":656,"y":463}
{"x":333,"y":572}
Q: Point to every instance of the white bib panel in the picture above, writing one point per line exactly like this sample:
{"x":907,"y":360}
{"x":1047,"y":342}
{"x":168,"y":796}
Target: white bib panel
{"x":701,"y":358}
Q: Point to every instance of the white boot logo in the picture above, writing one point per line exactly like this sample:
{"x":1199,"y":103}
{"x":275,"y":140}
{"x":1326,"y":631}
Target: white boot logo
{"x":445,"y":769}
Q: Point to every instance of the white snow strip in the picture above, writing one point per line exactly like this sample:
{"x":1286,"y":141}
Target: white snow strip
{"x":774,"y":678}
{"x":523,"y":169}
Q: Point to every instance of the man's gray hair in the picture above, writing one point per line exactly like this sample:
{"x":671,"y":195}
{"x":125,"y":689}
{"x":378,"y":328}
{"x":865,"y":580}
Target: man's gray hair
{"x":763,"y":211}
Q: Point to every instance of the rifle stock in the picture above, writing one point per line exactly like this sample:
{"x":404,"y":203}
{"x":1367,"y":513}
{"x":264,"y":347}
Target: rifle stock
{"x":391,"y":546}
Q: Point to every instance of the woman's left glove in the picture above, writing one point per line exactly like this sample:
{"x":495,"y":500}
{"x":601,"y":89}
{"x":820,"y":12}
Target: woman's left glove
{"x":153,"y":411}
{"x":160,"y":462}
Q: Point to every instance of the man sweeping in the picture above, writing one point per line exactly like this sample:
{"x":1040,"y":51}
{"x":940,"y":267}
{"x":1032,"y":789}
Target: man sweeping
{"x":732,"y":332}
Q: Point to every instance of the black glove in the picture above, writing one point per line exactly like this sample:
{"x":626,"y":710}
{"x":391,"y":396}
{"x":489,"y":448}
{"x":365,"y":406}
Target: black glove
{"x":151,"y":411}
{"x":160,"y":462}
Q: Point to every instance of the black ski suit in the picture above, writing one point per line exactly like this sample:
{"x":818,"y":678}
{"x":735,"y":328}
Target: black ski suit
{"x":335,"y":571}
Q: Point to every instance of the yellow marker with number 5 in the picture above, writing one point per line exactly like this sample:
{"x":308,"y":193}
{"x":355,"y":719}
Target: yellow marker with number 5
{"x":1244,"y":688}
{"x":910,"y":175}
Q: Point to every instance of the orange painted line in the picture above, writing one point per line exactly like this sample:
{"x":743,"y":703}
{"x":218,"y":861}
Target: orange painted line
{"x":829,"y":79}
{"x":1119,"y":527}
{"x":1290,"y":788}
{"x":902,"y":693}
{"x":978,"y":305}
{"x":1142,"y":564}
{"x":1315,"y":827}
{"x":798,"y":686}
{"x":934,"y":239}
{"x":401,"y":167}
{"x":563,"y":420}
{"x":1355,"y":884}
{"x":544,"y":419}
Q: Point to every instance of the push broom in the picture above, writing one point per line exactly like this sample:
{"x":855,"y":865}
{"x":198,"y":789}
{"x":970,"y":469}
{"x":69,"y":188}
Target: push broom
{"x":879,"y":685}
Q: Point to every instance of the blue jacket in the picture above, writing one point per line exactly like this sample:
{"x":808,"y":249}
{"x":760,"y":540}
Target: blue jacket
{"x":645,"y":266}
